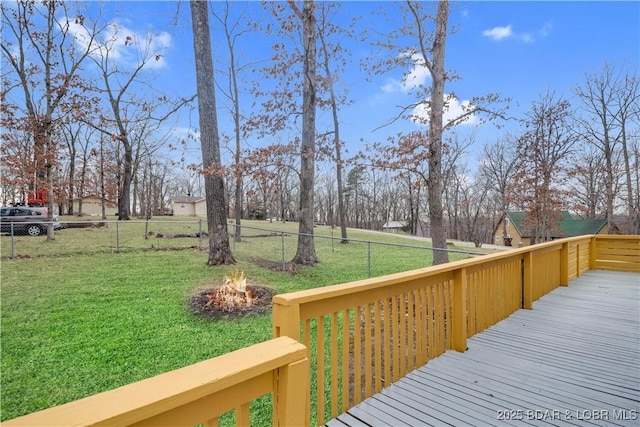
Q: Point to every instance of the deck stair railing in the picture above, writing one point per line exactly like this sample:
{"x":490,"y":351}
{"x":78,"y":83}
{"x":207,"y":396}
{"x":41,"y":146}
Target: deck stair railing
{"x":335,"y":346}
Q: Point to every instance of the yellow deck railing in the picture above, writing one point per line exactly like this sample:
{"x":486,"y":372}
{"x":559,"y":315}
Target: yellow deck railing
{"x":358,"y":338}
{"x":197,"y":394}
{"x":363,"y":336}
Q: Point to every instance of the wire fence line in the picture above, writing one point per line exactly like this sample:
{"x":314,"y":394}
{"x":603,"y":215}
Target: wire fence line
{"x":273,"y":245}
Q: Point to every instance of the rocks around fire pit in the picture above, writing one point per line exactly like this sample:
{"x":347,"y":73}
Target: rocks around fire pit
{"x":208,"y":303}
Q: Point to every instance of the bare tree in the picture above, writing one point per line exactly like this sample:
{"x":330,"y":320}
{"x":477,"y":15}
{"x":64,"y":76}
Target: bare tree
{"x":128,"y":117}
{"x":542,"y":151}
{"x":627,"y":99}
{"x":305,"y":251}
{"x":233,"y":31}
{"x":421,"y":42}
{"x":474,"y":207}
{"x":610,"y":106}
{"x":497,"y":169}
{"x":71,"y":134}
{"x":330,"y":58}
{"x":41,"y":51}
{"x":588,"y":175}
{"x":219,"y":249}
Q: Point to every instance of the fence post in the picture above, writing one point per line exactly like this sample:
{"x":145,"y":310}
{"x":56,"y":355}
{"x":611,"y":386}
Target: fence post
{"x":13,"y":243}
{"x":117,"y":236}
{"x":200,"y":233}
{"x":284,"y":264}
{"x":564,"y":264}
{"x":459,"y":310}
{"x":368,"y":259}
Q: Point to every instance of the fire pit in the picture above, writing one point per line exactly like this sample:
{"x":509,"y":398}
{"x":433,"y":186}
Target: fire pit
{"x":232,"y":299}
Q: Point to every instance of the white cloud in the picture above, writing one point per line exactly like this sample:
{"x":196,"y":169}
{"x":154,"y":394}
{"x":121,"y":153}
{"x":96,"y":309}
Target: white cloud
{"x":527,"y":38}
{"x":124,"y":44}
{"x":454,"y":109}
{"x":546,"y":29}
{"x":415,"y":77}
{"x":418,"y":75}
{"x":498,"y":33}
{"x":391,"y":86}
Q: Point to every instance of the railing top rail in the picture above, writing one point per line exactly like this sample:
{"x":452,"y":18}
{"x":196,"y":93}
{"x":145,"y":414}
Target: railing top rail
{"x":143,"y":399}
{"x":365,"y":285}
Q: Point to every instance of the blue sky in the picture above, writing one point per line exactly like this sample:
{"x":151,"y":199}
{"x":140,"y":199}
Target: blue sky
{"x":515,"y":48}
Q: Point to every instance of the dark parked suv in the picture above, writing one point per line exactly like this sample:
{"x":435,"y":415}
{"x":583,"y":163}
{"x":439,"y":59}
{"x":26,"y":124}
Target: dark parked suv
{"x":26,"y":220}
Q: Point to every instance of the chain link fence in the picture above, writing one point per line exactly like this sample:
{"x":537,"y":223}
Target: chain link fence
{"x":272,"y":246}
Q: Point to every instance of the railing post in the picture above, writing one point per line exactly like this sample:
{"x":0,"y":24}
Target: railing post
{"x":527,"y":281}
{"x":291,"y":406}
{"x":459,"y":314}
{"x":286,"y":321}
{"x":564,"y":264}
{"x":578,"y":259}
{"x":592,"y":253}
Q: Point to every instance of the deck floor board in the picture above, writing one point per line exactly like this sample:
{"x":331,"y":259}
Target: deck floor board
{"x":572,"y":360}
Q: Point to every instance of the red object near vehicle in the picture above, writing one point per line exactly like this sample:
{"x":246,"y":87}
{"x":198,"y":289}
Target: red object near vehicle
{"x":37,"y":198}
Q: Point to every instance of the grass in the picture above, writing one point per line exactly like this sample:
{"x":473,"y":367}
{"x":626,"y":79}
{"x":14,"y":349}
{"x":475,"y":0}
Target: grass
{"x":78,"y":319}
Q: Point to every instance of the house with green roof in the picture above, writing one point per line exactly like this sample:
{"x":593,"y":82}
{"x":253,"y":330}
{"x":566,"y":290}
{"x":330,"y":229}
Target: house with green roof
{"x":568,"y":226}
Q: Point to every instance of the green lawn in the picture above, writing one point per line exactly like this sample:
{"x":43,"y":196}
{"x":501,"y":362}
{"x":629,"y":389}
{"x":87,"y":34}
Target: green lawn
{"x":77,"y":322}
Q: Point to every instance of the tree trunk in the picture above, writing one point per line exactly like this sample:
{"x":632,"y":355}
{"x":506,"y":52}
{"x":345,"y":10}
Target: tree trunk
{"x":337,"y":145}
{"x":124,"y":205}
{"x":72,"y":179}
{"x":306,"y":252}
{"x":631,"y":211}
{"x":438,"y":232}
{"x":219,"y":250}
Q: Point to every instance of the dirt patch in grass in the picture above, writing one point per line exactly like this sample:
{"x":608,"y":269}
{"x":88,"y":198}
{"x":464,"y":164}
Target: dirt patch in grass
{"x":204,"y":303}
{"x":287,"y":267}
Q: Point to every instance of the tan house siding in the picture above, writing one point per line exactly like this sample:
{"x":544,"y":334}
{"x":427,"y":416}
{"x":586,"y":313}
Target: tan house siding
{"x":92,"y":206}
{"x":184,"y":209}
{"x":201,"y":208}
{"x":189,"y":206}
{"x":512,"y":232}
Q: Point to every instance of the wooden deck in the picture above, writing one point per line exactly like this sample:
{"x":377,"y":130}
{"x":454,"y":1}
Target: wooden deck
{"x":572,"y":360}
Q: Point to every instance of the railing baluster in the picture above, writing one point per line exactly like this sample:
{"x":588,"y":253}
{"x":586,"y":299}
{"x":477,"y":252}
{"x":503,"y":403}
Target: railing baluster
{"x":357,"y":353}
{"x":431,"y":320}
{"x":386,"y":310}
{"x":395,"y":340}
{"x":411,"y":337}
{"x":242,"y":415}
{"x":402,"y":326}
{"x":334,"y":364}
{"x":346,"y":322}
{"x":377,"y":329}
{"x":320,"y":368}
{"x":367,"y":351}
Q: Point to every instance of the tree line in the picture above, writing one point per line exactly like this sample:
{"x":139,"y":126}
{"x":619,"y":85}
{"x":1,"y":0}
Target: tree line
{"x":83,"y":118}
